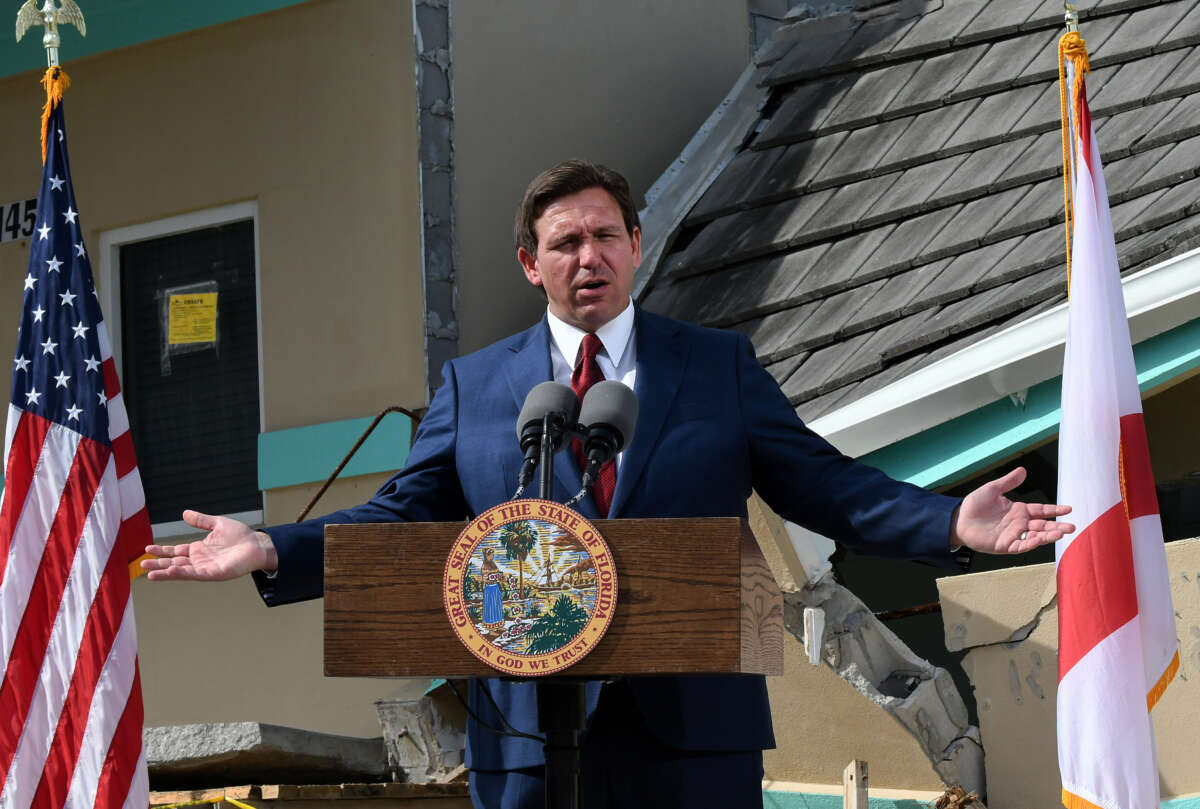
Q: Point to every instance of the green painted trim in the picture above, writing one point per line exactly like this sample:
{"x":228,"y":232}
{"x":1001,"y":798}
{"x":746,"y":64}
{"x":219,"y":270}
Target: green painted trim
{"x":435,"y":684}
{"x":114,"y":25}
{"x":978,"y":439}
{"x":310,"y":454}
{"x":813,"y":800}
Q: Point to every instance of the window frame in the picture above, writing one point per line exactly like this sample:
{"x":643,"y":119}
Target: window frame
{"x":108,"y":285}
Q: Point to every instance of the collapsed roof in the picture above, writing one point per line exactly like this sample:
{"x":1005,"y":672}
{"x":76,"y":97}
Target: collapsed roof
{"x":883,"y":187}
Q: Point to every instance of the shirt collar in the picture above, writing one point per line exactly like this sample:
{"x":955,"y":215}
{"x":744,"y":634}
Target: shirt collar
{"x":614,"y":335}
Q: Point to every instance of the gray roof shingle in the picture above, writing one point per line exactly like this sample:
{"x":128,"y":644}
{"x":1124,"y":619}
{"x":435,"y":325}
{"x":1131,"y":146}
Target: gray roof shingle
{"x":901,"y":196}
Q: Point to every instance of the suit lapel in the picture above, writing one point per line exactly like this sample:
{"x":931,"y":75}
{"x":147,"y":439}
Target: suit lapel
{"x":528,"y":366}
{"x":660,"y":361}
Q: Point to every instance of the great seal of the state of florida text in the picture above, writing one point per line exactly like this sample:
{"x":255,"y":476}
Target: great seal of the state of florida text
{"x":530,"y":587}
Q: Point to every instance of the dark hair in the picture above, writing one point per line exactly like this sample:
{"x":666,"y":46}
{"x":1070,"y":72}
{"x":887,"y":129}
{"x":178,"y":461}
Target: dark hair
{"x":569,"y":177}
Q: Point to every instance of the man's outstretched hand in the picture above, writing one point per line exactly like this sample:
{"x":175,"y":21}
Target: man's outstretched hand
{"x":989,"y":522}
{"x":231,"y":549}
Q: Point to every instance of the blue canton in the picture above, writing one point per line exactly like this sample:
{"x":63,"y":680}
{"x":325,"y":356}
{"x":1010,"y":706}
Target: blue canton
{"x":58,"y":370}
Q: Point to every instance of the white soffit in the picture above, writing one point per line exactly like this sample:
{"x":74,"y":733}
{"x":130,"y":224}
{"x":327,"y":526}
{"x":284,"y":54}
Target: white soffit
{"x":1158,"y":299}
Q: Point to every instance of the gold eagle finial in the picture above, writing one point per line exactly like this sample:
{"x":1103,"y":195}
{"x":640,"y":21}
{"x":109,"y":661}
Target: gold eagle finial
{"x":51,"y":17}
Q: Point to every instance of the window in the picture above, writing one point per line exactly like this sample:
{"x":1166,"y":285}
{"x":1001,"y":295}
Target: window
{"x":182,"y":314}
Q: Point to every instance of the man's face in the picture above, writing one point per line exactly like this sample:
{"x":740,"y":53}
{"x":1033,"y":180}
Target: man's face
{"x":585,"y":258}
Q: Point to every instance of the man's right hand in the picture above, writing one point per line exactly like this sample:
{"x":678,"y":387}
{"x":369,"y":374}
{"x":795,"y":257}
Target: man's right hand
{"x":230,"y":549}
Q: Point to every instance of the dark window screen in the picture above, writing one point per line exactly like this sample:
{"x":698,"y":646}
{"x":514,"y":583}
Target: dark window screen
{"x":193,"y":409}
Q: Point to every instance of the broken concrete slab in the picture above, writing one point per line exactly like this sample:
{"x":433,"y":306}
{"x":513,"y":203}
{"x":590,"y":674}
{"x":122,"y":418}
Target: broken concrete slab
{"x":1009,"y":628}
{"x":422,"y":746}
{"x":220,"y":754}
{"x":920,"y":696}
{"x":982,"y":608}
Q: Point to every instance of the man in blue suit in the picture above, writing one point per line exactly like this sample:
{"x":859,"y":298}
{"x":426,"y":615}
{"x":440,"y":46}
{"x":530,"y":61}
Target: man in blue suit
{"x":712,"y":427}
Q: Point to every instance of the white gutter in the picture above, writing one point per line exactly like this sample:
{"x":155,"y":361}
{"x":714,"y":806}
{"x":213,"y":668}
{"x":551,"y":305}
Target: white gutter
{"x":1157,"y":299}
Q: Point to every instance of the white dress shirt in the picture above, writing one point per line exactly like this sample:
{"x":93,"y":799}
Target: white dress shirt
{"x":617,"y":359}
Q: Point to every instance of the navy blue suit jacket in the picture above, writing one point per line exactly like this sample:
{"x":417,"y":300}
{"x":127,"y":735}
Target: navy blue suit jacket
{"x":712,"y":426}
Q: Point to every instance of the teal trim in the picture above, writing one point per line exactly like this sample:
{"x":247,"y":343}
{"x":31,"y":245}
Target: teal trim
{"x":310,"y":454}
{"x":435,"y":684}
{"x":812,"y":800}
{"x":976,"y":440}
{"x":113,"y":25}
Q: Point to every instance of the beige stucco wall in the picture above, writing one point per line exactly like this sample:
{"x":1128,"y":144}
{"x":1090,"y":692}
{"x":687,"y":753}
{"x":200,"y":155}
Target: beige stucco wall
{"x":623,"y":82}
{"x":312,"y":114}
{"x":1016,"y":682}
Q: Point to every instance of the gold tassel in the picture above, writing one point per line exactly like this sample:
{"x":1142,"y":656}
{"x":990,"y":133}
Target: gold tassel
{"x":1070,"y":46}
{"x":55,"y":81}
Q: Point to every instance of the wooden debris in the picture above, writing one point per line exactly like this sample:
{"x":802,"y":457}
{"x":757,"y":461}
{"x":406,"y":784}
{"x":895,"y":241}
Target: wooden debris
{"x":957,"y":798}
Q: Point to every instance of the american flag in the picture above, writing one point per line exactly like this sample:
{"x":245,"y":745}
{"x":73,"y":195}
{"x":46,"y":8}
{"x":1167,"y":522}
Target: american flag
{"x":73,"y":517}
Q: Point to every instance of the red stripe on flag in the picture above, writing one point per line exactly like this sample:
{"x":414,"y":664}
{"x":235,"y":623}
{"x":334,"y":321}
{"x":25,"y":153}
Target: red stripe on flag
{"x":1137,"y":476}
{"x":112,"y":385}
{"x":33,"y":635}
{"x":123,"y":453}
{"x":1096,"y":590}
{"x":1083,"y":126}
{"x":22,"y":460}
{"x":120,"y":764}
{"x":135,"y":534}
{"x":103,"y":622}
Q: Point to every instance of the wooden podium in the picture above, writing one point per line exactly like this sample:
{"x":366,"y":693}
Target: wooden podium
{"x":694,"y":596}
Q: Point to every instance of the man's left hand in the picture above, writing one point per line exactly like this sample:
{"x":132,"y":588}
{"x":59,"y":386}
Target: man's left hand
{"x":989,"y":522}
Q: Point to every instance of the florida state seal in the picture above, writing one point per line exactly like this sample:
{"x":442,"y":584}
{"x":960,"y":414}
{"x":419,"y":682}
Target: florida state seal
{"x":530,"y":587}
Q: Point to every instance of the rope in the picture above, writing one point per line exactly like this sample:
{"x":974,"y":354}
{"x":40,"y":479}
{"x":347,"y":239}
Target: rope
{"x":1070,"y":46}
{"x":55,"y":81}
{"x":231,"y":801}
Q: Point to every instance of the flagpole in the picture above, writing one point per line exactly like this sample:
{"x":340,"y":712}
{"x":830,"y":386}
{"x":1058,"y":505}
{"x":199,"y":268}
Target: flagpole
{"x":1071,"y":16}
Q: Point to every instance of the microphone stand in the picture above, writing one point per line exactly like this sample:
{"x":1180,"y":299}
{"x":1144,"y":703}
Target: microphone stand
{"x":561,"y":701}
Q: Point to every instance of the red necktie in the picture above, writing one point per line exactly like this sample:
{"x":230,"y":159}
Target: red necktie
{"x":587,"y":373}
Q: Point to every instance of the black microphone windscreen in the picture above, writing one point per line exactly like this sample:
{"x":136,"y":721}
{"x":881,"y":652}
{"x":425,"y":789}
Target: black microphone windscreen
{"x":548,"y":397}
{"x":613,"y":403}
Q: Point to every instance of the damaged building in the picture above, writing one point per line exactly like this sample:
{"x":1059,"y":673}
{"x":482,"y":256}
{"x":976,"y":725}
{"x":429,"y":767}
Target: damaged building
{"x":876,"y":203}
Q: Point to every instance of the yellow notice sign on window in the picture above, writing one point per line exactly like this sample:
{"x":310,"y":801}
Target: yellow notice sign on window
{"x":192,"y":319}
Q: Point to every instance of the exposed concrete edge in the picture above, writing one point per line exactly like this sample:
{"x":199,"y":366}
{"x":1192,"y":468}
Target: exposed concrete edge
{"x":865,"y":653}
{"x":920,"y":696}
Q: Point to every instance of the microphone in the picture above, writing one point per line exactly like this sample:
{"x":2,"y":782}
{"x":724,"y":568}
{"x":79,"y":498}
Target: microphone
{"x":609,"y":414}
{"x":562,"y":405}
